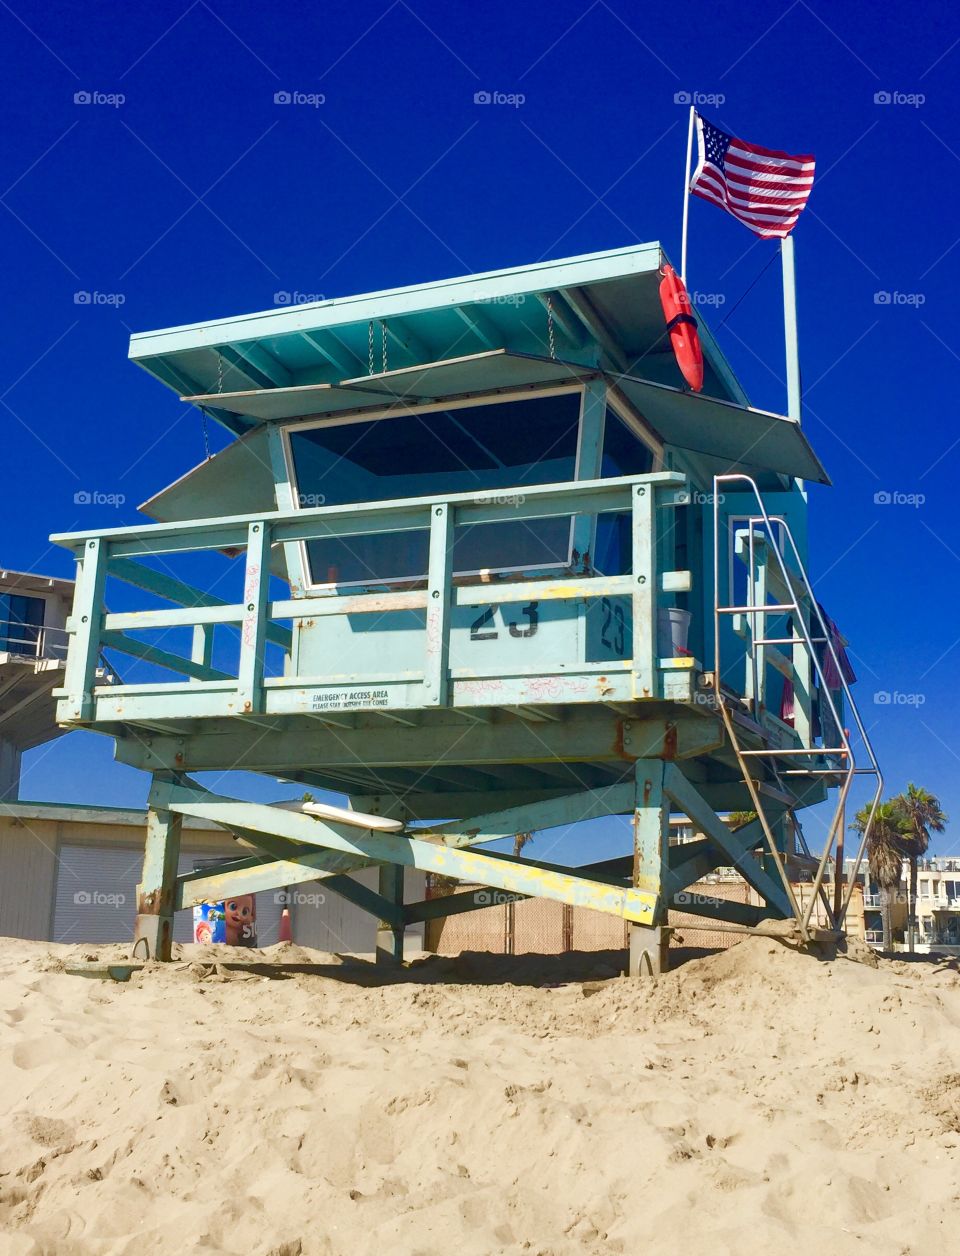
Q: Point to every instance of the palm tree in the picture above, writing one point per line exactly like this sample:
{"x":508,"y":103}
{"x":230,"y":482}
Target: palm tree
{"x":921,"y":813}
{"x":737,"y":819}
{"x":884,"y":858}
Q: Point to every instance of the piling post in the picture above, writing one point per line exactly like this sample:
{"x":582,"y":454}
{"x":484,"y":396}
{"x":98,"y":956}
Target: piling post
{"x":390,"y":932}
{"x":649,"y":944}
{"x":156,"y":893}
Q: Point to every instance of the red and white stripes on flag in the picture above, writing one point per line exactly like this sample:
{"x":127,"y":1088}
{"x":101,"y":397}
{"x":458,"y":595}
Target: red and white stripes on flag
{"x":764,"y":188}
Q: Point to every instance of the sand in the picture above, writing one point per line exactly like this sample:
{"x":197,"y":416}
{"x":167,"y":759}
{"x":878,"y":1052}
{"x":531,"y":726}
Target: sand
{"x":758,"y":1100}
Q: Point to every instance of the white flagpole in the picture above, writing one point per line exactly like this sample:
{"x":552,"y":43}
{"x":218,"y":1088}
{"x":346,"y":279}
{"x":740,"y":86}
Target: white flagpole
{"x":794,"y":402}
{"x":686,"y":197}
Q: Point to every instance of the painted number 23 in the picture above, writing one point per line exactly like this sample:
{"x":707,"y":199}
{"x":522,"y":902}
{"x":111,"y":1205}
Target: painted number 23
{"x":482,"y":627}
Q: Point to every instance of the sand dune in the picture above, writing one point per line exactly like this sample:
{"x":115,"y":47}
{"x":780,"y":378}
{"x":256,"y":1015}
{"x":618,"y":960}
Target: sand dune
{"x":754,"y":1098}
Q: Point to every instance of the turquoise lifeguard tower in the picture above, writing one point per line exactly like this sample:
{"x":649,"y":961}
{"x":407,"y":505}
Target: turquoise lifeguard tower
{"x":477,"y":560}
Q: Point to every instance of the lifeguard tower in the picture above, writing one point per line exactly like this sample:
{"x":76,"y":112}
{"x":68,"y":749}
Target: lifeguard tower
{"x":478,"y":561}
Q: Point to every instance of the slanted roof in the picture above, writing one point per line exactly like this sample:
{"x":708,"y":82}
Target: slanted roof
{"x":29,"y":582}
{"x":605,"y":306}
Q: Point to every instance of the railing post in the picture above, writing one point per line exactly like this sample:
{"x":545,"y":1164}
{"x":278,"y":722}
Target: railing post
{"x":86,"y":621}
{"x":645,"y":679}
{"x":755,"y":688}
{"x":439,"y":600}
{"x":803,"y":680}
{"x":253,"y":628}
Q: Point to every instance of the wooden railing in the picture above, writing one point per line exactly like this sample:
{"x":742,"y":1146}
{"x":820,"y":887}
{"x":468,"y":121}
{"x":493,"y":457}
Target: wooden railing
{"x":207,"y":690}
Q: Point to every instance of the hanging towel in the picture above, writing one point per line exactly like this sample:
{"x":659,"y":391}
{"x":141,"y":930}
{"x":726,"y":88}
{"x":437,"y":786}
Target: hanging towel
{"x":832,"y":677}
{"x":786,"y":702}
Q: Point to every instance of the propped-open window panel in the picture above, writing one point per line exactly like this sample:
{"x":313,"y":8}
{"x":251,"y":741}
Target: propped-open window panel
{"x":741,"y":437}
{"x":473,"y":374}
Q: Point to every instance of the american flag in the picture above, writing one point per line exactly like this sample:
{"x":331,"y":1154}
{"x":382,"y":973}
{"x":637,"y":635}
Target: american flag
{"x":764,"y":188}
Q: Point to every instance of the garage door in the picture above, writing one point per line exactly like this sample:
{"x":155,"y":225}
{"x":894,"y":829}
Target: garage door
{"x":97,"y":896}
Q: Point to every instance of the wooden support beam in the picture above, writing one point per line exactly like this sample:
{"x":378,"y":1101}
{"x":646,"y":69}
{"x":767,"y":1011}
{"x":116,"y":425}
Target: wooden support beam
{"x":256,"y":364}
{"x":260,"y":873}
{"x":332,"y":348}
{"x":586,"y":735}
{"x":161,"y":658}
{"x":481,"y":325}
{"x":595,"y":327}
{"x":737,"y":845}
{"x":405,"y":338}
{"x":156,"y":893}
{"x":455,"y":904}
{"x":570,"y":326}
{"x":503,"y":873}
{"x":174,"y":590}
{"x":385,"y":910}
{"x":720,"y":909}
{"x":536,"y":815}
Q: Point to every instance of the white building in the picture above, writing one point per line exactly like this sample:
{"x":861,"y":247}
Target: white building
{"x":33,"y":650}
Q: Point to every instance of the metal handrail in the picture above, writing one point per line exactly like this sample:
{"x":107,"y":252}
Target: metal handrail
{"x":43,"y":642}
{"x":793,"y":608}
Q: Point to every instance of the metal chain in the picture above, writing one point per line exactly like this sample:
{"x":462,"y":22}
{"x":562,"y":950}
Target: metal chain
{"x":550,"y":336}
{"x":370,"y":347}
{"x":383,"y":344}
{"x":203,"y":414}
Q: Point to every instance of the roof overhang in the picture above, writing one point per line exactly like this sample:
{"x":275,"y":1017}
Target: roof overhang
{"x":30,"y":582}
{"x":604,"y":308}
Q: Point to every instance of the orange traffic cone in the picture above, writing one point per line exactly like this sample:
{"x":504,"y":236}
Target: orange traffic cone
{"x":286,"y":926}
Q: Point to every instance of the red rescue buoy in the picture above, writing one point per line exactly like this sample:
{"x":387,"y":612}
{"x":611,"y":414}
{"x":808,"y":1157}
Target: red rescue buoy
{"x":682,"y":327}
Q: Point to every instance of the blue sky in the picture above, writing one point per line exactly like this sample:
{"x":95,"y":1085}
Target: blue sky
{"x":146,"y":162}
